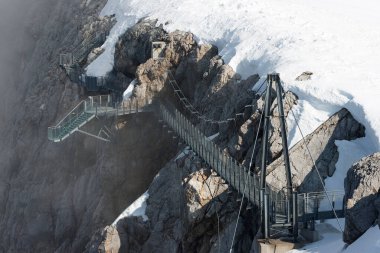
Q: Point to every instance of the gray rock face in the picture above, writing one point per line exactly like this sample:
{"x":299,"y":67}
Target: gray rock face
{"x":187,"y":206}
{"x":240,"y":144}
{"x":134,"y":47}
{"x":54,"y":196}
{"x":340,"y":126}
{"x":362,"y":187}
{"x":210,"y":85}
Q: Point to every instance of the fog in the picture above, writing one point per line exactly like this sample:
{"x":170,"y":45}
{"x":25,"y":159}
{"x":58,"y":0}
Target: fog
{"x":15,"y":41}
{"x":11,"y":39}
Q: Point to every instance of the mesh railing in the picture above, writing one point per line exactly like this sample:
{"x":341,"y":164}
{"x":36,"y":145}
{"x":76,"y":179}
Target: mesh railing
{"x":238,"y":176}
{"x":102,"y":105}
{"x":55,"y":132}
{"x":314,"y":202}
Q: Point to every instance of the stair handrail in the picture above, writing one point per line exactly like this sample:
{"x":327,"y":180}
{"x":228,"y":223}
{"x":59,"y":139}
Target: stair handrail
{"x":68,"y":114}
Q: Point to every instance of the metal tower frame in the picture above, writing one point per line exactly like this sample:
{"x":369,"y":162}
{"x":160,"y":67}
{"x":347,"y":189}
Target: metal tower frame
{"x":273,"y":81}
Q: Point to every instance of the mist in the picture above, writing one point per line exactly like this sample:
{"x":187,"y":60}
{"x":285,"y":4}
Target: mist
{"x":12,"y":32}
{"x":16,"y":40}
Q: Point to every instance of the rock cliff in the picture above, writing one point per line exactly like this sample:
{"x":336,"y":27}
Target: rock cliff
{"x":55,"y":196}
{"x":362,"y":187}
{"x":61,"y":197}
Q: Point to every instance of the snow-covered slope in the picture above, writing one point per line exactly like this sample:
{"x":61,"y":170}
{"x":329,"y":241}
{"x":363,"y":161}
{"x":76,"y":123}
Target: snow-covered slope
{"x":337,"y":40}
{"x":331,"y":241}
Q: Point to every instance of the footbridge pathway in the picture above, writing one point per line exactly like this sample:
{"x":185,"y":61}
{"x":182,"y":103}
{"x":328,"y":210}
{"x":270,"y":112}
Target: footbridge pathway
{"x":283,"y":212}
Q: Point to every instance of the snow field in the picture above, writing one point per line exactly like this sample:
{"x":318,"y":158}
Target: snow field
{"x":337,"y":40}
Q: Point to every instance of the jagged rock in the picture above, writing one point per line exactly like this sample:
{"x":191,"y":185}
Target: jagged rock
{"x":134,"y":47}
{"x":362,"y":187}
{"x":340,"y":126}
{"x":240,"y":144}
{"x":186,"y":202}
{"x":275,"y":141}
{"x":111,"y":241}
{"x":213,"y":87}
{"x":91,"y":35}
{"x":179,"y":45}
{"x":200,"y":190}
{"x":304,"y":76}
{"x":191,"y":70}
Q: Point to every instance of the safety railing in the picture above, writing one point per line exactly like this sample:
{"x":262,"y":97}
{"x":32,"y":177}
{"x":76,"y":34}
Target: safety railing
{"x":102,"y":105}
{"x":80,"y":52}
{"x":95,"y":40}
{"x":55,"y":132}
{"x":98,"y":104}
{"x":238,"y":176}
{"x":314,"y":204}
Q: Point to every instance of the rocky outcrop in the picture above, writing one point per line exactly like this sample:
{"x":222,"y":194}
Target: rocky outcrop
{"x":340,"y":126}
{"x":362,"y":188}
{"x":135,"y":46}
{"x":211,"y":86}
{"x":189,"y":210}
{"x":240,"y":144}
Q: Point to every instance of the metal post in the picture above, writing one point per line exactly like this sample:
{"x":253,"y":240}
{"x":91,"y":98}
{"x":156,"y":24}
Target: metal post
{"x":276,"y":79}
{"x":316,"y":207}
{"x":262,"y":211}
{"x":249,"y":183}
{"x":229,"y":164}
{"x":266,"y":215}
{"x":254,"y":186}
{"x":295,"y":216}
{"x":333,"y":199}
{"x":305,"y":196}
{"x":265,"y":149}
{"x":288,"y":209}
{"x":234,"y":170}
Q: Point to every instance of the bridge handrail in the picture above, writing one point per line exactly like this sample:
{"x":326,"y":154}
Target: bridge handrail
{"x":75,"y":113}
{"x":76,"y":108}
{"x":227,"y":167}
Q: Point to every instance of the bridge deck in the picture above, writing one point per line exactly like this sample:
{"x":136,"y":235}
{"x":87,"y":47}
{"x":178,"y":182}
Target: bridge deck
{"x":240,"y":178}
{"x":229,"y":169}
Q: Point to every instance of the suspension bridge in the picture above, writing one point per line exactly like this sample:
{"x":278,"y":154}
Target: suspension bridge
{"x":281,"y":210}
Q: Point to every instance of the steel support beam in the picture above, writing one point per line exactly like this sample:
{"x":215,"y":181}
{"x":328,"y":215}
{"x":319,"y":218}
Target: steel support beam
{"x":285,"y":150}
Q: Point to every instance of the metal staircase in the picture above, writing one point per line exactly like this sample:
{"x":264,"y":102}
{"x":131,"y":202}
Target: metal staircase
{"x":88,"y":109}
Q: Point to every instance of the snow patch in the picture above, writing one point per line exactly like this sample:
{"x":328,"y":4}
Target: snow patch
{"x":212,"y":137}
{"x":184,"y":152}
{"x":137,"y":208}
{"x":331,"y":241}
{"x":128,"y":92}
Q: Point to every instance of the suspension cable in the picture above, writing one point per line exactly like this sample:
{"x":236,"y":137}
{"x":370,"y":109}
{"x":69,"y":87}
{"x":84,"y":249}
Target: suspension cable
{"x":191,"y":108}
{"x":313,"y":161}
{"x":245,"y":181}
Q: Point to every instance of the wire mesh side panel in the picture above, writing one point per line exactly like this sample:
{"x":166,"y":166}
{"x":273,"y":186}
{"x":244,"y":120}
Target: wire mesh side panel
{"x":68,"y":123}
{"x":236,"y":175}
{"x":314,"y":202}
